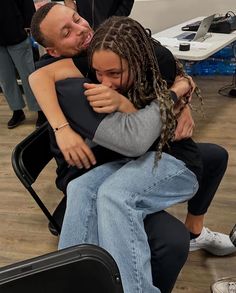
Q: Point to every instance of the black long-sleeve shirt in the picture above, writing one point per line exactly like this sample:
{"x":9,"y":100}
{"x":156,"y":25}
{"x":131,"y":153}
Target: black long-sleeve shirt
{"x":96,"y":11}
{"x":15,"y":16}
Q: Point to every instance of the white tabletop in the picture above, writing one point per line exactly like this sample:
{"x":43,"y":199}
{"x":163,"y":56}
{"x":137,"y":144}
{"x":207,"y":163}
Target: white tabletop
{"x":198,"y":50}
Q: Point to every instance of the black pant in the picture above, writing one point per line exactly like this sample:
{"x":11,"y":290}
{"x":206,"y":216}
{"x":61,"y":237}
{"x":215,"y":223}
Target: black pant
{"x":169,"y":243}
{"x":168,"y":237}
{"x":215,"y":160}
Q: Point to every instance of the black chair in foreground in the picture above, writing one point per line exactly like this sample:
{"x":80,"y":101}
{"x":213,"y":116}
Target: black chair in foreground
{"x":29,"y":158}
{"x":78,"y":269}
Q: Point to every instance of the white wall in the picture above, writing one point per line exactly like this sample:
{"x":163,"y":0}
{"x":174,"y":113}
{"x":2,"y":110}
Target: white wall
{"x":160,"y":14}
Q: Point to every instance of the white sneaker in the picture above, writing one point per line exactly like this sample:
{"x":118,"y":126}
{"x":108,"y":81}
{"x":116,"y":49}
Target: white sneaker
{"x":226,"y":285}
{"x":214,"y":242}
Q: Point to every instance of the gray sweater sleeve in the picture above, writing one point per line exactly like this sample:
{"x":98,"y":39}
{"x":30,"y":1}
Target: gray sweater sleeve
{"x":130,"y":134}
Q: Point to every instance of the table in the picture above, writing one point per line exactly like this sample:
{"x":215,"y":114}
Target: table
{"x":198,"y":50}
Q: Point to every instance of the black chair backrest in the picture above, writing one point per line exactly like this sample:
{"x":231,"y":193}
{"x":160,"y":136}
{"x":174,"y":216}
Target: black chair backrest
{"x":29,"y":158}
{"x":82,"y":268}
{"x":31,"y":155}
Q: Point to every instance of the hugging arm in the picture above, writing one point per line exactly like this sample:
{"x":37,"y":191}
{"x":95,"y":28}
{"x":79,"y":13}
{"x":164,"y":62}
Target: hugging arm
{"x":129,"y":134}
{"x":168,"y":69}
{"x":42,"y":81}
{"x":74,"y":149}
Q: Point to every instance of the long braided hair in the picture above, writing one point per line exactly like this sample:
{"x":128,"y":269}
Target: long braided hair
{"x":129,"y":40}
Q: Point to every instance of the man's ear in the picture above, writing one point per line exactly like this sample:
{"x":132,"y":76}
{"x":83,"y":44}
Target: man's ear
{"x":52,"y":51}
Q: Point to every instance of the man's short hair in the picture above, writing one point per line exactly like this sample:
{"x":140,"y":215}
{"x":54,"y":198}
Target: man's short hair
{"x":36,"y":21}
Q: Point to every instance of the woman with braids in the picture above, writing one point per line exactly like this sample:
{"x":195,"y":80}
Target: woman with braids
{"x":110,"y":210}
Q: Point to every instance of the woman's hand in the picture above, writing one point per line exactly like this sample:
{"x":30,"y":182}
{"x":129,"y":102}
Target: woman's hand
{"x":106,"y":100}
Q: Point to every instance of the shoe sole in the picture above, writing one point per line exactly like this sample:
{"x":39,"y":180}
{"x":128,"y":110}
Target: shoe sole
{"x":215,"y":290}
{"x":194,"y":248}
{"x":216,"y":253}
{"x":15,"y":125}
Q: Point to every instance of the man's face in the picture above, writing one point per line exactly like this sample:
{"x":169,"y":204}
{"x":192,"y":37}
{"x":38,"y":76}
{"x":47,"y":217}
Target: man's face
{"x":66,"y":31}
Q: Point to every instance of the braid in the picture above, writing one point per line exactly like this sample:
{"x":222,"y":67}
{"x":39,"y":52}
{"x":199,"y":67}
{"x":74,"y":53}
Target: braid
{"x":129,"y":40}
{"x":197,"y":91}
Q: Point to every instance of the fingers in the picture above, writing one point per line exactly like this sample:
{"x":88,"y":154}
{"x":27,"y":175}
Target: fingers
{"x":81,"y":158}
{"x":73,"y":159}
{"x":103,"y":99}
{"x":103,"y":106}
{"x":184,"y":130}
{"x":99,"y":102}
{"x":109,"y":109}
{"x":185,"y":125}
{"x":186,"y":133}
{"x":89,"y":85}
{"x":89,"y":157}
{"x":192,"y":87}
{"x":74,"y":149}
{"x":93,"y":89}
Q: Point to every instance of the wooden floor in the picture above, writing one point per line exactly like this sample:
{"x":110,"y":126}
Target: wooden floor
{"x":23,"y":228}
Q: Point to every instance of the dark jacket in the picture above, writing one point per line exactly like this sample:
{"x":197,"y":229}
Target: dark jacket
{"x":15,"y":15}
{"x":96,"y":11}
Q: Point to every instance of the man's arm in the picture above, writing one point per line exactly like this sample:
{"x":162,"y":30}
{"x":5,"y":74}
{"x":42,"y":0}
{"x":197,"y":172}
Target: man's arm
{"x":167,"y":66}
{"x":42,"y":82}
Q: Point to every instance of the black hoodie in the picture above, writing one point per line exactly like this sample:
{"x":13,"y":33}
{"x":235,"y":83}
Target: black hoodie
{"x":15,"y":16}
{"x":96,"y":11}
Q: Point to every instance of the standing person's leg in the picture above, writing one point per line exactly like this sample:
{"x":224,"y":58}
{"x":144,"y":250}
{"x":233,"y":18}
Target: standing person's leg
{"x":10,"y":87}
{"x":80,"y":220}
{"x":168,"y":239}
{"x":22,"y":57}
{"x":215,"y":159}
{"x":125,"y":198}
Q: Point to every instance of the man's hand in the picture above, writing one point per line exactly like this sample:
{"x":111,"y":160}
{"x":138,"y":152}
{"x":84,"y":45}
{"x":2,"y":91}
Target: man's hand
{"x":106,"y":100}
{"x":183,"y":86}
{"x":185,"y":125}
{"x":76,"y":152}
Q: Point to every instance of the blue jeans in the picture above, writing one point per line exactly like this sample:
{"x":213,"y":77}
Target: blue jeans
{"x":107,"y":206}
{"x":19,"y":56}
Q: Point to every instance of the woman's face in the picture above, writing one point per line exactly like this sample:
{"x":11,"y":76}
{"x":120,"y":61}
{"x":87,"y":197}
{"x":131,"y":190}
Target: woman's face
{"x":111,"y":70}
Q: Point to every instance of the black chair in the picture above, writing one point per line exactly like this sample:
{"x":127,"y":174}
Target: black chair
{"x":82,"y":268}
{"x":29,"y":158}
